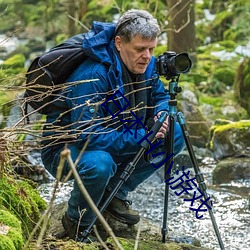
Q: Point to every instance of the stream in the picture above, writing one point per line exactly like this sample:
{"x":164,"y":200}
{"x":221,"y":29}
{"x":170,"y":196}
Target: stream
{"x":231,"y":208}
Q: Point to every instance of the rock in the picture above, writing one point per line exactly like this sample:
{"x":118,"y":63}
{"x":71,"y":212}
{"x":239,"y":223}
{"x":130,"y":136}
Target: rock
{"x":231,"y":139}
{"x":228,"y":110}
{"x":197,"y":125}
{"x":149,"y":238}
{"x":231,"y":169}
{"x":188,"y":95}
{"x":206,"y":109}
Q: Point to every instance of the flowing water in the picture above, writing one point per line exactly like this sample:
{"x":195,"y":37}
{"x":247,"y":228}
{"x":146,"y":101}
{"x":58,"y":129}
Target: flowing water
{"x":231,"y":208}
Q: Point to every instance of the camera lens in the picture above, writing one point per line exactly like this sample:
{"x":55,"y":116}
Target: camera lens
{"x":182,"y":63}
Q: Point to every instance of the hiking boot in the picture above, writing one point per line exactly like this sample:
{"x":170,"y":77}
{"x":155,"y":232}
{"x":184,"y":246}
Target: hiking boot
{"x":121,"y":211}
{"x":75,"y":231}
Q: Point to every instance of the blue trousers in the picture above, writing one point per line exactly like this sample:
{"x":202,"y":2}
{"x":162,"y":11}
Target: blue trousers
{"x":100,"y":170}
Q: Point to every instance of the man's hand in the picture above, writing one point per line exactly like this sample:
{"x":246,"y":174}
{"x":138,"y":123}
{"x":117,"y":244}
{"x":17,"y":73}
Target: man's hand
{"x":164,"y":128}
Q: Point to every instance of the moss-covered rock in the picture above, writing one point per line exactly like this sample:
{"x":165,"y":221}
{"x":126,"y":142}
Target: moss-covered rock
{"x":232,"y":139}
{"x":10,"y":231}
{"x":128,"y":244}
{"x":221,"y":107}
{"x":22,"y":200}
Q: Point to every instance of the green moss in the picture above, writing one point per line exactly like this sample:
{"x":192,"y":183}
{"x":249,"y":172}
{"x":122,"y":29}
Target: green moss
{"x":16,"y":61}
{"x":127,"y":244}
{"x":16,"y":237}
{"x":13,"y":239}
{"x":236,"y":125}
{"x":212,"y":100}
{"x":91,"y":247}
{"x":6,"y":243}
{"x":9,"y":219}
{"x":174,"y":246}
{"x":219,"y":102}
{"x":13,"y":71}
{"x":228,"y":45}
{"x":225,"y":75}
{"x":21,"y":199}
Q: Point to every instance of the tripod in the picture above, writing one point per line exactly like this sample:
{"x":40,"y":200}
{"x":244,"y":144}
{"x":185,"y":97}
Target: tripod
{"x":173,"y":90}
{"x":129,"y":168}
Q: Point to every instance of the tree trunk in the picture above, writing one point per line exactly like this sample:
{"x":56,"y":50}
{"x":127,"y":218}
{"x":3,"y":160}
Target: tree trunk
{"x":83,"y":7}
{"x":71,"y":6}
{"x":181,"y":27}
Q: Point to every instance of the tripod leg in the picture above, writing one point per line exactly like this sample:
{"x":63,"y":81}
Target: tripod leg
{"x":170,"y":150}
{"x":164,"y":229}
{"x":198,"y":174}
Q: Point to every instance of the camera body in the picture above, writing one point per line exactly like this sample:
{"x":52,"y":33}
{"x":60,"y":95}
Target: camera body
{"x":171,"y":65}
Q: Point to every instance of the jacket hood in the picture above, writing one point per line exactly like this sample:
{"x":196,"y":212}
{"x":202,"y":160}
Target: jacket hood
{"x":98,"y":43}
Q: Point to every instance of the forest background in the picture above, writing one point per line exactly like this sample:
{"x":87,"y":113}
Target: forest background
{"x":214,"y":33}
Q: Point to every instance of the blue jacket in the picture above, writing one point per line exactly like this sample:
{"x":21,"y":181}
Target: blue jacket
{"x":87,"y":118}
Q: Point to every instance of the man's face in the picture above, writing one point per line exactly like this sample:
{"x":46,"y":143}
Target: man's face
{"x":137,"y":53}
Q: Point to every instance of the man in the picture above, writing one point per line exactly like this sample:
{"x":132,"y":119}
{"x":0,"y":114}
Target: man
{"x":121,"y":70}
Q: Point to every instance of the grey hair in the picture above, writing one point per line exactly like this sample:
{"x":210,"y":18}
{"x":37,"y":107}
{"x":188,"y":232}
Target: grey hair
{"x":137,"y":22}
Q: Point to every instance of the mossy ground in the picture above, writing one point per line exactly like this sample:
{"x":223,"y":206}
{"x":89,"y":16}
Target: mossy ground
{"x":146,"y":242}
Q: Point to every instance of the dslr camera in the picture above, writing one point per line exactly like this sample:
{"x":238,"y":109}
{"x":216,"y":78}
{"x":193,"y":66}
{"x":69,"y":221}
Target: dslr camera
{"x":171,"y":65}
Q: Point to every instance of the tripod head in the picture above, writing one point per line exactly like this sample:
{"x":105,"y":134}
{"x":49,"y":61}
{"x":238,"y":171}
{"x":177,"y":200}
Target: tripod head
{"x":174,"y":89}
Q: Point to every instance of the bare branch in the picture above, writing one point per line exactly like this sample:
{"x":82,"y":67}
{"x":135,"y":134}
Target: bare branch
{"x":77,"y":21}
{"x":66,"y":154}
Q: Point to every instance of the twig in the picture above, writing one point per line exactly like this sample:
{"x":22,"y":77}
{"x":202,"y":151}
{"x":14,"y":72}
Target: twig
{"x":137,"y":236}
{"x":77,"y":21}
{"x":45,"y":217}
{"x":66,"y":154}
{"x":99,"y":238}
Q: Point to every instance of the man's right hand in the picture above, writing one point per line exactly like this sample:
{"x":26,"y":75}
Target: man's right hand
{"x":164,"y":128}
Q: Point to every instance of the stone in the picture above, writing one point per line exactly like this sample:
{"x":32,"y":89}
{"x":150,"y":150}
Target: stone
{"x":230,"y":140}
{"x":197,"y":125}
{"x":150,"y":234}
{"x":231,"y":169}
